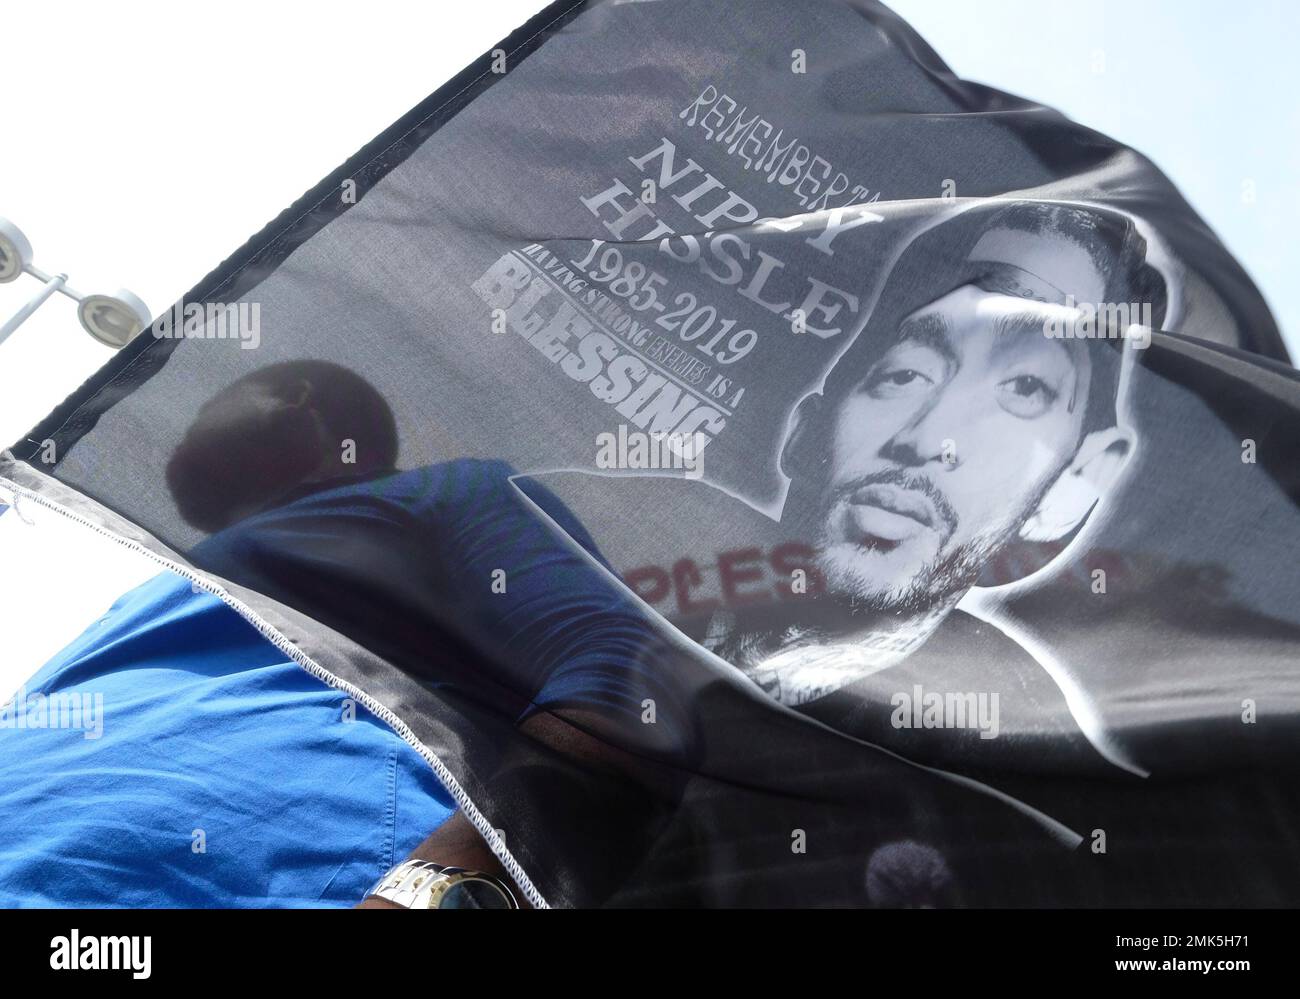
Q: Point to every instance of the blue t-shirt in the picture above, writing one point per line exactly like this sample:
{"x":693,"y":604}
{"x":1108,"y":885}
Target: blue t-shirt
{"x":449,"y":573}
{"x":223,"y":775}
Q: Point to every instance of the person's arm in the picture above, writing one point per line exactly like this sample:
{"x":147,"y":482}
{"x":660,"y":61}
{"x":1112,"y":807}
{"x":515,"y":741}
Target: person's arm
{"x":455,"y":843}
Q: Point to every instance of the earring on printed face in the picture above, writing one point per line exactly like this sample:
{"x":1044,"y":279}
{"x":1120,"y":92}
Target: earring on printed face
{"x":1068,"y":501}
{"x":112,"y":319}
{"x":1072,"y":497}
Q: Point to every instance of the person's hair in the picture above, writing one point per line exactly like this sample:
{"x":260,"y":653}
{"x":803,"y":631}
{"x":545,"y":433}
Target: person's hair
{"x":938,"y":262}
{"x":348,"y":405}
{"x":221,"y":467}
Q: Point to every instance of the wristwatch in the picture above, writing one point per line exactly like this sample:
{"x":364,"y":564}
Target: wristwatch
{"x":421,"y":884}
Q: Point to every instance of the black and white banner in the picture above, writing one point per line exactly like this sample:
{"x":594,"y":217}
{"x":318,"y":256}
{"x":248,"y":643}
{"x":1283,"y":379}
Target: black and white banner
{"x":755,"y":467}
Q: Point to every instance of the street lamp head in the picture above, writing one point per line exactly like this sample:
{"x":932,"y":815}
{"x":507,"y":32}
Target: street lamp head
{"x":113,"y":319}
{"x":15,"y":251}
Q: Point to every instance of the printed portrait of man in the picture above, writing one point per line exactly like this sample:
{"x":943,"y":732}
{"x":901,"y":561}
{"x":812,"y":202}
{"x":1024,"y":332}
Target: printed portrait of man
{"x":976,"y":409}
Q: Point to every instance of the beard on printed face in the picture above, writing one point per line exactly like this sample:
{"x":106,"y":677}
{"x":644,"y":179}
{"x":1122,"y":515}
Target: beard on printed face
{"x":890,"y":541}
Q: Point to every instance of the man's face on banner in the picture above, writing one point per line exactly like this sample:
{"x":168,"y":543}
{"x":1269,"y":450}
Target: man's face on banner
{"x":938,"y":455}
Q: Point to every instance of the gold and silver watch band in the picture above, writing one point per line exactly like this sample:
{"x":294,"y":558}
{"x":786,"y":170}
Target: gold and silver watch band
{"x":422,"y":884}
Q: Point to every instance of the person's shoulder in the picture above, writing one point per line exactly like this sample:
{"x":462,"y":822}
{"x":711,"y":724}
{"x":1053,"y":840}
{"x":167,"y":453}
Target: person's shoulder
{"x":166,"y":618}
{"x":457,"y":480}
{"x":470,"y":472}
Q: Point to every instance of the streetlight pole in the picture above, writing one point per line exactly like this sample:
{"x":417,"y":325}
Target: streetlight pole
{"x":56,"y":283}
{"x":112,"y":319}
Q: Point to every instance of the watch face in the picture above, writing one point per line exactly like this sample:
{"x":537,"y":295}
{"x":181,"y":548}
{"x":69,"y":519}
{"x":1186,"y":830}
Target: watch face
{"x":475,"y":893}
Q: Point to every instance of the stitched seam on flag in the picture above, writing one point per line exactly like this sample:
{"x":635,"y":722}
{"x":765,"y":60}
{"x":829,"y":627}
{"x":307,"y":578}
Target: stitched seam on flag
{"x":271,"y":244}
{"x":477,"y":819}
{"x":388,"y":848}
